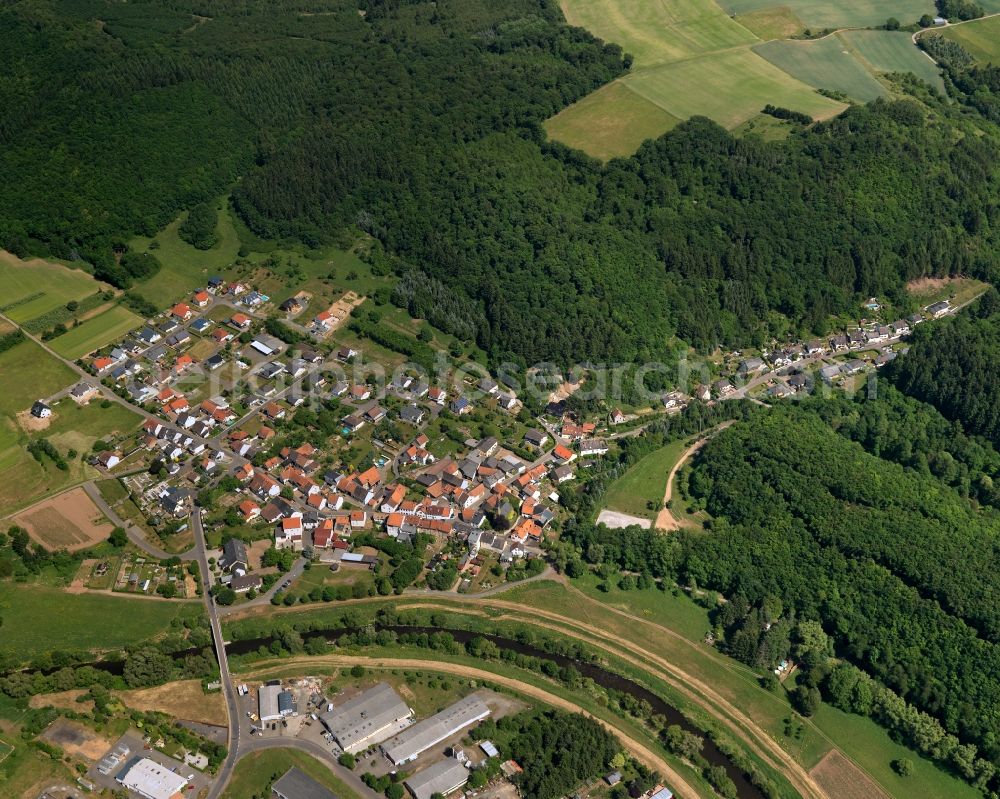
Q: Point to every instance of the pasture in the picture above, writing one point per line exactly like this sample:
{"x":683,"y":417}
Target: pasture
{"x":36,"y":615}
{"x":893,"y":51}
{"x":96,"y":332}
{"x":656,"y":32}
{"x":980,"y":37}
{"x":69,"y":521}
{"x":821,"y":14}
{"x":35,"y":287}
{"x":729,"y":87}
{"x":645,"y":481}
{"x":825,"y":64}
{"x":611,"y":122}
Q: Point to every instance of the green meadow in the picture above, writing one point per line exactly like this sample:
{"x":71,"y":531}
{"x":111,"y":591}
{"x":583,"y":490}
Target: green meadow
{"x":825,"y":64}
{"x":96,"y":332}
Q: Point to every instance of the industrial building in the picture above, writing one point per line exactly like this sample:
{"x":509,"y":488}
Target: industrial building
{"x":410,"y":743}
{"x":443,"y":777}
{"x":273,"y":703}
{"x":150,"y":779}
{"x":295,"y":784}
{"x":367,"y":719}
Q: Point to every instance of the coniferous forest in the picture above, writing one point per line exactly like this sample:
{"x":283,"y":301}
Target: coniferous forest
{"x":419,"y":123}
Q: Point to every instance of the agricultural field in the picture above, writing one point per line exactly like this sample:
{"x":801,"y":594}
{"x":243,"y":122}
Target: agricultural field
{"x":609,"y":123}
{"x":893,"y":51}
{"x":690,"y":59}
{"x":980,"y":37}
{"x":825,"y":64}
{"x":36,"y":615}
{"x":820,"y":15}
{"x":35,"y":287}
{"x":96,"y":332}
{"x":645,"y":481}
{"x":775,"y":22}
{"x":656,"y":32}
{"x":729,"y":87}
{"x":69,"y":521}
{"x":255,"y":771}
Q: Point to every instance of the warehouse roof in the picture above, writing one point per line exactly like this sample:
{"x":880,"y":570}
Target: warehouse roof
{"x":267,"y":701}
{"x":443,"y":777}
{"x":295,"y":784}
{"x":150,"y":779}
{"x":362,"y":717}
{"x":425,"y":734}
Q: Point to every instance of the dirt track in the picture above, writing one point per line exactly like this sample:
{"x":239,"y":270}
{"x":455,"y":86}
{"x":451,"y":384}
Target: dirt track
{"x":641,"y":753}
{"x":665,"y":519}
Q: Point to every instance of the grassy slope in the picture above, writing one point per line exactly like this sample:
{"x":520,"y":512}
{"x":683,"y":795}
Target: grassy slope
{"x":644,"y":481}
{"x":981,"y":38}
{"x":96,"y":332}
{"x":611,"y":122}
{"x":729,"y":87}
{"x":58,"y":285}
{"x":892,"y":51}
{"x":825,"y":64}
{"x":690,"y":58}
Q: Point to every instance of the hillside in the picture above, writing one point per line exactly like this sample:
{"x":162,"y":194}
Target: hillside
{"x":420,"y":125}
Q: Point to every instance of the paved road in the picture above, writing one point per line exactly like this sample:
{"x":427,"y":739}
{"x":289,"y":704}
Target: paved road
{"x":228,"y":691}
{"x":265,"y":599}
{"x":135,"y":535}
{"x":256,"y":743}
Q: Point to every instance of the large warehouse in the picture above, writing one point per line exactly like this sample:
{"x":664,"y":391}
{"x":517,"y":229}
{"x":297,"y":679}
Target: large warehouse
{"x":367,"y":719}
{"x":411,"y":742}
{"x":443,"y":777}
{"x":148,"y":778}
{"x":274,"y":703}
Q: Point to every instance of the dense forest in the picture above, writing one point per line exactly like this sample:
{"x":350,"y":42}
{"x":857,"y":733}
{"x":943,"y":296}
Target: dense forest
{"x":954,"y":368}
{"x":419,"y":123}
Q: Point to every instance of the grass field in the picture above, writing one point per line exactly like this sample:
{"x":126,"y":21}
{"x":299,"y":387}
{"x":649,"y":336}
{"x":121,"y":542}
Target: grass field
{"x":611,"y":122}
{"x":186,"y":267}
{"x":96,"y":332}
{"x":775,"y":22}
{"x":980,"y":37}
{"x":729,"y":87}
{"x":38,"y":618}
{"x":53,"y":284}
{"x":825,"y":64}
{"x":820,"y":14}
{"x":893,"y":51}
{"x":656,"y":32}
{"x":27,"y":373}
{"x":255,"y":771}
{"x":644,"y":481}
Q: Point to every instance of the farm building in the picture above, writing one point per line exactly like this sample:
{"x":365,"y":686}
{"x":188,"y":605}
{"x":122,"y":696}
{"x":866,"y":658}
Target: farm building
{"x":367,"y":719}
{"x":442,"y":778}
{"x":149,"y":779}
{"x":410,"y":743}
{"x":295,"y":784}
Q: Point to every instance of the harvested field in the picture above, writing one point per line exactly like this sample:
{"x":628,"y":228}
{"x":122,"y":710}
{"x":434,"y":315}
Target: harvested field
{"x":68,"y":521}
{"x":75,"y":739}
{"x":182,"y":700}
{"x":841,"y":779}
